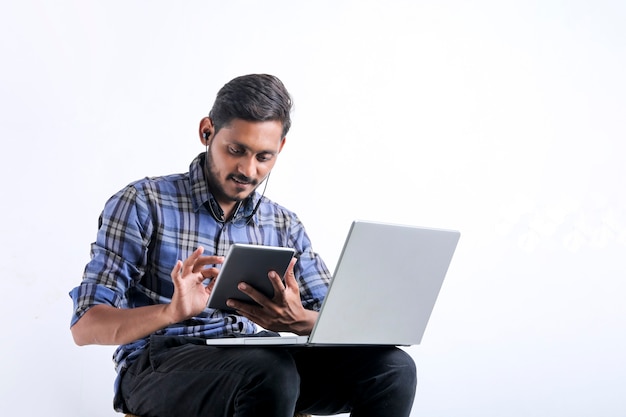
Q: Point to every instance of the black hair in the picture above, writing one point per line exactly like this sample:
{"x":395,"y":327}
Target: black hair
{"x":255,"y":98}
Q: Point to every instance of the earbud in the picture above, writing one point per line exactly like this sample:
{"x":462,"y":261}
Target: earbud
{"x":206,"y":135}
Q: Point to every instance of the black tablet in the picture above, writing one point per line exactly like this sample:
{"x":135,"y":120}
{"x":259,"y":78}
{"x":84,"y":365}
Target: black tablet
{"x":250,"y":264}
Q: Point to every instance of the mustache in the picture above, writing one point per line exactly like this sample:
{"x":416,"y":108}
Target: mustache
{"x":243,"y":179}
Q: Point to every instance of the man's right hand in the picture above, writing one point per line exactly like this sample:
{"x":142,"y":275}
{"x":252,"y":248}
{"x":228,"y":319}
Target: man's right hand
{"x":190,"y":293}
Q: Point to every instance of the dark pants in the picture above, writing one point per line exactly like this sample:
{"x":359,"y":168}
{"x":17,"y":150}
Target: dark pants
{"x":175,"y":378}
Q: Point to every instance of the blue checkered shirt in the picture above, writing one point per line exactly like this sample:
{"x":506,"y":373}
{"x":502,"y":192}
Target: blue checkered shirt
{"x":150,"y":224}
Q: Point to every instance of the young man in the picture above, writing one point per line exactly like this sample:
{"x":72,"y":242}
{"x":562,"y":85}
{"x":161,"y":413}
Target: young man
{"x":145,"y":287}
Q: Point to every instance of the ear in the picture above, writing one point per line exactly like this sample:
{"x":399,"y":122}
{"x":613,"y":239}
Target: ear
{"x":206,"y":130}
{"x":282,"y":143}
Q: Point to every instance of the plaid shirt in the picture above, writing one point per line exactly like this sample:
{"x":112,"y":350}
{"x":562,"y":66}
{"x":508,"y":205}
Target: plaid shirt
{"x":150,"y":224}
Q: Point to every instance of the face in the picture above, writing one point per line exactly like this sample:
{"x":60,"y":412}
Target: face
{"x":239,"y":157}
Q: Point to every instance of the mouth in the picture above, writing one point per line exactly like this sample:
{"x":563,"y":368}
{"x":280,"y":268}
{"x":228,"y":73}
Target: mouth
{"x":242,"y":182}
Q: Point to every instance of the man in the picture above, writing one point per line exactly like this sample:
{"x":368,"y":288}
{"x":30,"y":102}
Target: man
{"x":145,"y":287}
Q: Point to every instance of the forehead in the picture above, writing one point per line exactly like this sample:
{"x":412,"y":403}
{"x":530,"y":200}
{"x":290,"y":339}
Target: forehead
{"x":257,"y":136}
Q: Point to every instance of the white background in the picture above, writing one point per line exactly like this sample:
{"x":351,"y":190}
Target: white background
{"x":503,"y":119}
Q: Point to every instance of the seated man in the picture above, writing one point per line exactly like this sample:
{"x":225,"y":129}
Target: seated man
{"x":147,"y":285}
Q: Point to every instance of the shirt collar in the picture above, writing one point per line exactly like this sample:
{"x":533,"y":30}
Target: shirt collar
{"x":200,"y":190}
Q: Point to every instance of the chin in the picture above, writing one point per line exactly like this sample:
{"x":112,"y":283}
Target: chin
{"x":237,"y":197}
{"x":241,"y":195}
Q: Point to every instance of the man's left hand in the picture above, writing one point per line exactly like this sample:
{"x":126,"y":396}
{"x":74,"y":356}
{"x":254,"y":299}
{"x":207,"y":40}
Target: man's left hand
{"x":282,"y":313}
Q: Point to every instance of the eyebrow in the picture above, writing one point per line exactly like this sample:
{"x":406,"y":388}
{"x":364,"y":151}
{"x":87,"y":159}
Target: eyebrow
{"x":247,"y":148}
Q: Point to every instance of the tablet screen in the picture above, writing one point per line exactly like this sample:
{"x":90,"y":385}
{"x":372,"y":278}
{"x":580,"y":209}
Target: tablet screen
{"x":250,"y":264}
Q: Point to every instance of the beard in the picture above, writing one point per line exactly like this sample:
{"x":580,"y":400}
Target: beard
{"x":218,"y":188}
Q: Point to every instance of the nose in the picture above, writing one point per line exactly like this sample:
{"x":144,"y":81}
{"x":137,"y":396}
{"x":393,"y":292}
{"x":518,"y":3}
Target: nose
{"x":247,"y":166}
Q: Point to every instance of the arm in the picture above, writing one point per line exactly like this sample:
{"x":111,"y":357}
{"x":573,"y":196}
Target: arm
{"x":107,"y":325}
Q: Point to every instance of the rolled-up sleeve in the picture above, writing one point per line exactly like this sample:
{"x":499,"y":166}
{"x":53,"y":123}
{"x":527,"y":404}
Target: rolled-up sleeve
{"x":118,"y":256}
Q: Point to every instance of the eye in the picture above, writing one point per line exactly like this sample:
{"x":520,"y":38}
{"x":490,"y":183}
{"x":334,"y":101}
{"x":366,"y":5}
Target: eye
{"x":264,"y":157}
{"x":234,"y":150}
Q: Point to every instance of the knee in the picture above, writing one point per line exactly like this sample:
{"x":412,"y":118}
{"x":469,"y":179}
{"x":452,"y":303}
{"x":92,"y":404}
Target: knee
{"x":398,"y":369}
{"x":404,"y":366}
{"x":390,"y":389}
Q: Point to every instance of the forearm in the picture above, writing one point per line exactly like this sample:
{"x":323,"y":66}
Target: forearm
{"x":107,"y":325}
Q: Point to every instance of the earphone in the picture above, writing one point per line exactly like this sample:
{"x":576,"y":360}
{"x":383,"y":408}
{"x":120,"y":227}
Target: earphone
{"x":206,"y":135}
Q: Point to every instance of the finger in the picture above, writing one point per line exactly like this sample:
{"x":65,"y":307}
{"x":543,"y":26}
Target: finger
{"x":203,"y":261}
{"x":209,"y":287}
{"x":290,"y":276}
{"x":209,"y":272}
{"x":176,"y":270}
{"x":277,"y":284}
{"x":247,"y":310}
{"x":252,"y":293}
{"x":189,"y":263}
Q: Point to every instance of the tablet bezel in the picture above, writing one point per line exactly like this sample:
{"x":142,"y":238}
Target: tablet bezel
{"x":251,"y":264}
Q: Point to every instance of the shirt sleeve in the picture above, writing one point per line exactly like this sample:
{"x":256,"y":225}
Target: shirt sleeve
{"x":118,"y":256}
{"x":310,"y":270}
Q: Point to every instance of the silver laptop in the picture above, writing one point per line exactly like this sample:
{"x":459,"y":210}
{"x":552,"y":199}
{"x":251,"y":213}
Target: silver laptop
{"x":383,"y":290}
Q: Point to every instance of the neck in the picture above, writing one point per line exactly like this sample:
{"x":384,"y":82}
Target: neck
{"x":229,"y":209}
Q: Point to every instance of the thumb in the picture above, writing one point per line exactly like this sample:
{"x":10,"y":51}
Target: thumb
{"x":177,"y":270}
{"x":290,"y":277}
